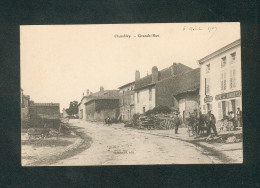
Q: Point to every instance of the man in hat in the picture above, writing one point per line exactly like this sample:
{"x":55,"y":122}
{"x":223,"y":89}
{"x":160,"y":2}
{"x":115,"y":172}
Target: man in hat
{"x":211,"y":122}
{"x":176,"y":122}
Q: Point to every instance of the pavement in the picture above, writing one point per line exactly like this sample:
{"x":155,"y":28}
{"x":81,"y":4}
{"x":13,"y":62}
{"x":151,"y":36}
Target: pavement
{"x":119,"y":145}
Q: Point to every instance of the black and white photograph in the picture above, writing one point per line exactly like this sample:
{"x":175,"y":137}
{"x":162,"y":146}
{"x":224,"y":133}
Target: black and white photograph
{"x":131,"y":94}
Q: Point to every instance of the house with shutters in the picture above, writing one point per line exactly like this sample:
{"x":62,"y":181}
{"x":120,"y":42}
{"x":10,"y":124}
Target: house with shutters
{"x":220,"y":80}
{"x":127,"y":101}
{"x":158,"y":88}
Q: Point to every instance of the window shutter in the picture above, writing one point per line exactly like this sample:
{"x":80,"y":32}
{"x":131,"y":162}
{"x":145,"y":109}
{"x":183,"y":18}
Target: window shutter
{"x":234,"y":78}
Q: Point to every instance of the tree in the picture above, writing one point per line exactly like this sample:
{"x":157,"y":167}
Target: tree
{"x":73,"y":108}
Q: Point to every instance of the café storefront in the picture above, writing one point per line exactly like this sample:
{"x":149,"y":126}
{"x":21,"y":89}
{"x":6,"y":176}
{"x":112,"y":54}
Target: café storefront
{"x":228,"y":102}
{"x":223,"y":103}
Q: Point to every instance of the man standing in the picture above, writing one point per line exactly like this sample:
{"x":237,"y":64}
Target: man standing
{"x":211,"y":122}
{"x":176,"y":122}
{"x":239,"y":117}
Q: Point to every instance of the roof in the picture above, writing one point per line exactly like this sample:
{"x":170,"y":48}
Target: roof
{"x":162,"y":75}
{"x":183,"y":83}
{"x":107,"y":94}
{"x":45,"y":104}
{"x":220,"y":51}
{"x":187,"y":82}
{"x":128,"y":84}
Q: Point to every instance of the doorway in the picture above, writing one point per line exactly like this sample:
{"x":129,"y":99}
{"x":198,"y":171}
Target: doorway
{"x":224,"y":108}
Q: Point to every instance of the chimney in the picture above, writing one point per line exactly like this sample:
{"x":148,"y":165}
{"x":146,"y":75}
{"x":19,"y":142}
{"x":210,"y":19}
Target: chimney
{"x":87,"y":92}
{"x":174,"y":69}
{"x":154,"y":74}
{"x":137,"y":75}
{"x":101,"y":89}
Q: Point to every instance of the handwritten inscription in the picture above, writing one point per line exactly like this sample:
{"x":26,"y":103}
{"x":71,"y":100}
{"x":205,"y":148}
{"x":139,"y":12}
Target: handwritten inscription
{"x":199,"y":28}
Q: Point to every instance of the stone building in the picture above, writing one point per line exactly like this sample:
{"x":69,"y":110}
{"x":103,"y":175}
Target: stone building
{"x":100,"y":105}
{"x":150,"y":91}
{"x":181,"y":92}
{"x":221,"y":87}
{"x":127,"y":101}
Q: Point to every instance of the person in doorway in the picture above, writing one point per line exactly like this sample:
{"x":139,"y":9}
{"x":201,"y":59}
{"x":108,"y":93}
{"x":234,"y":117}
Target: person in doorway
{"x":211,"y":123}
{"x":239,"y":117}
{"x":176,"y":122}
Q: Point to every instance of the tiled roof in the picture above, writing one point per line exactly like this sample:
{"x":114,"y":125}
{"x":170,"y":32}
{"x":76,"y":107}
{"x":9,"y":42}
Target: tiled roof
{"x":107,"y":94}
{"x":145,"y":81}
{"x":162,"y":75}
{"x":125,"y":85}
{"x":186,"y":82}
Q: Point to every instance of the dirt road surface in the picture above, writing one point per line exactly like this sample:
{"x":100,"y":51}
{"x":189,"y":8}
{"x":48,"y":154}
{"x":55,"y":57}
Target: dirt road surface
{"x":116,"y":145}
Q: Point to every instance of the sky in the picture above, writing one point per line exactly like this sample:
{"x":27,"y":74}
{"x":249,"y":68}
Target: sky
{"x":60,"y":62}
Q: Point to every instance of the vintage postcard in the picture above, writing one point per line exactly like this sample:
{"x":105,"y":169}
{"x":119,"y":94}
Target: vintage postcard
{"x":131,"y":94}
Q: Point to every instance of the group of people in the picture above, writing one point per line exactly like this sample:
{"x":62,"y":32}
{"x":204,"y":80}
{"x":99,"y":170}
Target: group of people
{"x":198,"y":123}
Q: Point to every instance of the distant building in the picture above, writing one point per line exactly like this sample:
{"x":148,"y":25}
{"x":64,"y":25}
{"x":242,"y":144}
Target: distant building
{"x":127,"y":101}
{"x":25,"y":103}
{"x":98,"y":106}
{"x":150,"y":91}
{"x":221,"y":87}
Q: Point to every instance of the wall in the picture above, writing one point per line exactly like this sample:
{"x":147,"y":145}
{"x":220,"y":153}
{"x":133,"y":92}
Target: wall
{"x":127,"y":102}
{"x":144,"y":100}
{"x":49,"y":112}
{"x":100,"y":109}
{"x":90,"y":110}
{"x":215,"y":80}
{"x":188,"y":103}
{"x":164,"y":91}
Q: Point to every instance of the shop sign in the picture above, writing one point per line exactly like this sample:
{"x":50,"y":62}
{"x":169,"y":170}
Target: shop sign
{"x":228,"y":95}
{"x":208,"y":99}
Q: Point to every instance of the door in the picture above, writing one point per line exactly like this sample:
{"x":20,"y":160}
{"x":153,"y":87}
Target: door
{"x":233,"y":105}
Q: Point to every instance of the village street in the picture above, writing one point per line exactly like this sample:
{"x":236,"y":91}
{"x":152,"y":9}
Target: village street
{"x":117,"y":145}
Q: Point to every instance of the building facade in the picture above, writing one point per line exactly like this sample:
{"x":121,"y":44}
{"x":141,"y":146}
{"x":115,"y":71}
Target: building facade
{"x":221,"y":85}
{"x":156,"y":89}
{"x":127,"y":101}
{"x":100,"y":105}
{"x":181,"y":92}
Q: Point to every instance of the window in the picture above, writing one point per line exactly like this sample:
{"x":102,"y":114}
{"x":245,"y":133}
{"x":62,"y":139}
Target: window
{"x":223,"y":81}
{"x":137,"y":97}
{"x":233,"y":57}
{"x":207,"y":83}
{"x":150,"y":94}
{"x":223,"y":61}
{"x":208,"y":68}
{"x":232,"y":79}
{"x":132,"y":99}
